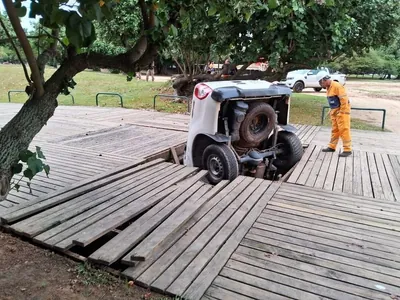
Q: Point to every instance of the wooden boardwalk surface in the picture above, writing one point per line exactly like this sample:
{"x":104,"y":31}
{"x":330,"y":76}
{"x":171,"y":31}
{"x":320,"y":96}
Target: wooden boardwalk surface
{"x":371,"y":174}
{"x":312,"y":244}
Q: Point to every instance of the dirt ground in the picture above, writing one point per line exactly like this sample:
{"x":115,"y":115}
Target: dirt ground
{"x":374,"y":94}
{"x":30,"y":272}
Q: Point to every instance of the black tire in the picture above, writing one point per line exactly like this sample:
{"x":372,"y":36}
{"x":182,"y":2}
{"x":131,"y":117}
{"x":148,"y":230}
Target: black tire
{"x":317,"y":89}
{"x":221,"y":163}
{"x":298,"y":86}
{"x":258,"y":124}
{"x":293,"y":151}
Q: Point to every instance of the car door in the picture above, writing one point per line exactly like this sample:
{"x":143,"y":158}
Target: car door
{"x":311,"y":78}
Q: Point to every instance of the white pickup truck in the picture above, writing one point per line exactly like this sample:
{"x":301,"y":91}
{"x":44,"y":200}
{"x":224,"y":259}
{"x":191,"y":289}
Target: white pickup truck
{"x":301,"y":79}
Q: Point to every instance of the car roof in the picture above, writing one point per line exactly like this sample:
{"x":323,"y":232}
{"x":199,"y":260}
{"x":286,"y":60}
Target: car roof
{"x":225,"y":90}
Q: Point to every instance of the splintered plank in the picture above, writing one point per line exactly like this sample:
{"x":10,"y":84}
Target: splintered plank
{"x":394,"y":183}
{"x":197,"y":246}
{"x":339,"y":179}
{"x":348,"y":175}
{"x":130,"y":236}
{"x":301,"y":164}
{"x":137,"y":186}
{"x":376,"y":183}
{"x":94,"y":231}
{"x":387,"y":189}
{"x":315,"y":170}
{"x":174,"y":245}
{"x":200,"y":284}
{"x":73,"y":191}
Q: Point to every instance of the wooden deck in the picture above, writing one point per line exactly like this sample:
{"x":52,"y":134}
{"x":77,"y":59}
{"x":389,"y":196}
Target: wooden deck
{"x":330,"y":232}
{"x":366,"y":173}
{"x":325,"y":245}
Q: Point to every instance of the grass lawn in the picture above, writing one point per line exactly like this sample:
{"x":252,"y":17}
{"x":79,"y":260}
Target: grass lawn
{"x":136,"y":94}
{"x":305,"y":109}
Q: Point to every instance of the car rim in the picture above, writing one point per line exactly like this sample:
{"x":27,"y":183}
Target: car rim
{"x":215,"y":166}
{"x":258,"y":124}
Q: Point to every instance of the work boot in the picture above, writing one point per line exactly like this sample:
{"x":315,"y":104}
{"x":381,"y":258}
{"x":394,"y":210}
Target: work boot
{"x":345,"y":154}
{"x":328,"y":149}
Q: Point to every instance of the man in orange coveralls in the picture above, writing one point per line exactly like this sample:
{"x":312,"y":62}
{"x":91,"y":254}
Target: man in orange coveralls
{"x":340,"y":115}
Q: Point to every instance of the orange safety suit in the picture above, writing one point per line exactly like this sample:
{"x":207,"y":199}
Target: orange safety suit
{"x":340,"y":116}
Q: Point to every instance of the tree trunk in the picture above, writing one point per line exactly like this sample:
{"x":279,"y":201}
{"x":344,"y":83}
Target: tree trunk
{"x":19,"y":133}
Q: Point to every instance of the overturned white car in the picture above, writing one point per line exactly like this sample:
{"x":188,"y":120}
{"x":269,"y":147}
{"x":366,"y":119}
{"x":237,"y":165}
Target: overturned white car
{"x":241,"y":128}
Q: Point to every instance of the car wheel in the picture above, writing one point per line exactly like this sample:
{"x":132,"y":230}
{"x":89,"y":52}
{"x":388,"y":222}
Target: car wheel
{"x":298,"y":87}
{"x":292,"y":150}
{"x":258,"y":124}
{"x":317,"y":89}
{"x":221,"y":163}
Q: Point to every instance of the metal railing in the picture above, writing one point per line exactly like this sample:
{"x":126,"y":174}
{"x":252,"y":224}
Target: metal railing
{"x":21,"y":91}
{"x":171,"y":96}
{"x":358,"y":108}
{"x":112,"y":94}
{"x":13,"y":91}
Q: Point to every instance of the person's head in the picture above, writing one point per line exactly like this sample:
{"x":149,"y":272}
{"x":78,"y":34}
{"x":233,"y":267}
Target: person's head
{"x":227,"y":61}
{"x":324,"y":80}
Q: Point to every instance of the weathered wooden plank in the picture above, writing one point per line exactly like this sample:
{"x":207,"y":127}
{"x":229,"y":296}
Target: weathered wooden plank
{"x":324,"y":252}
{"x":185,"y":236}
{"x":394,"y":183}
{"x":376,"y":183}
{"x":245,"y":289}
{"x":312,"y":136}
{"x":194,"y":265}
{"x":341,"y":232}
{"x":386,"y":224}
{"x":211,"y":270}
{"x":309,"y":166}
{"x":332,"y":279}
{"x":301,"y":164}
{"x":73,"y":207}
{"x":199,"y":245}
{"x":353,"y":250}
{"x":355,"y":208}
{"x":175,"y":155}
{"x":172,"y":224}
{"x":310,"y":256}
{"x":315,"y":170}
{"x":64,"y":239}
{"x":357,"y":176}
{"x":365,"y":176}
{"x":70,"y":192}
{"x":292,"y":287}
{"x":124,"y":241}
{"x":386,"y":187}
{"x":396,"y":166}
{"x":93,"y":232}
{"x":309,"y":135}
{"x":219,"y":293}
{"x":331,"y":174}
{"x":383,"y":233}
{"x":339,"y":178}
{"x":59,"y":214}
{"x":348,"y":175}
{"x":319,"y":182}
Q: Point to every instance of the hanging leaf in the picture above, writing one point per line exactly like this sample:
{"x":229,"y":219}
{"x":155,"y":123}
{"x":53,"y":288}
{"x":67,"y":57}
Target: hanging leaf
{"x":46,"y":169}
{"x":16,"y":168}
{"x":273,"y":4}
{"x":25,"y":155}
{"x":17,"y":186}
{"x":28,"y":174}
{"x":39,"y":152}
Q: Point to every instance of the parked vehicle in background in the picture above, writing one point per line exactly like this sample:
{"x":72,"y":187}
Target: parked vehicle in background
{"x":301,"y":79}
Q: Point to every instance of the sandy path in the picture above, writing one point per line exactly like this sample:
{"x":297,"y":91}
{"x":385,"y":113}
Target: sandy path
{"x":374,"y":94}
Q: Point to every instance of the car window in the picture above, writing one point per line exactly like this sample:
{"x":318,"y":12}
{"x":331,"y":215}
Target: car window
{"x":314,"y":72}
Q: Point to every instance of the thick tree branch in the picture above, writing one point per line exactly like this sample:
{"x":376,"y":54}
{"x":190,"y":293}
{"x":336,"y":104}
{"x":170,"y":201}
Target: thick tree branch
{"x":49,"y":53}
{"x":241,"y":70}
{"x":19,"y":31}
